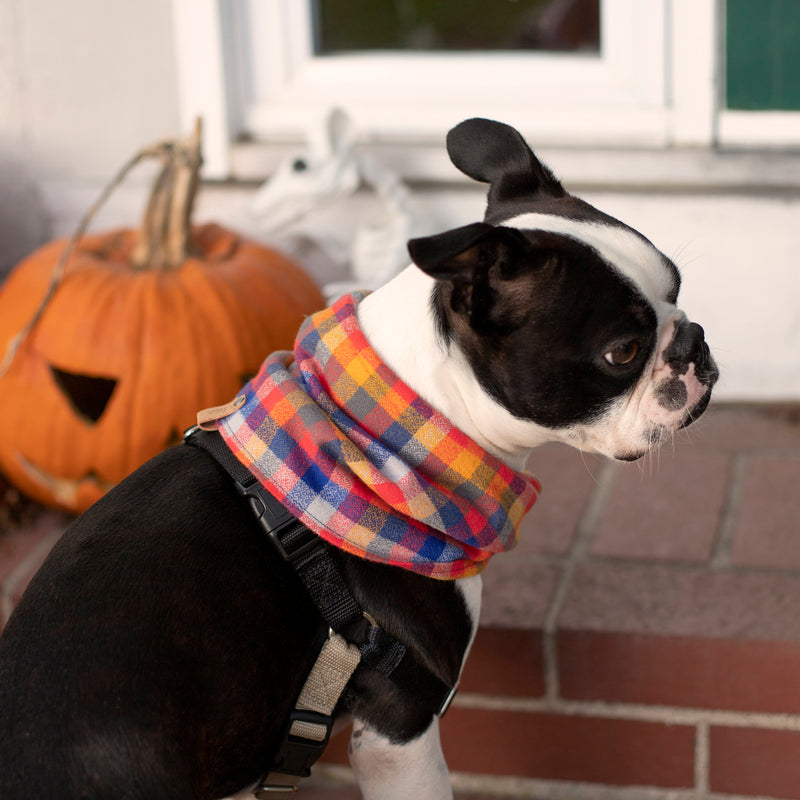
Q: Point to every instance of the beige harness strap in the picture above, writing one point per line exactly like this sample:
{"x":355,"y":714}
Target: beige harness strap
{"x":335,"y":665}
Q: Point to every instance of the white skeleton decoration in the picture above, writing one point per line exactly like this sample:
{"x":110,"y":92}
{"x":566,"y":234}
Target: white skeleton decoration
{"x":311,"y":200}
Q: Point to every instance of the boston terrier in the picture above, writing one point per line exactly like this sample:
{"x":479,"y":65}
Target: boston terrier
{"x":164,"y":643}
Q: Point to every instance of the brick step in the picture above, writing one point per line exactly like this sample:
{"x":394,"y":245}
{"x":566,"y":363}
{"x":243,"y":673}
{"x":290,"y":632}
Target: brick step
{"x":592,"y":733}
{"x":643,"y":640}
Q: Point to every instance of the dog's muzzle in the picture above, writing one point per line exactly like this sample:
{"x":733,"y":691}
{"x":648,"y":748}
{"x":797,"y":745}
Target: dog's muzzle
{"x":688,"y":347}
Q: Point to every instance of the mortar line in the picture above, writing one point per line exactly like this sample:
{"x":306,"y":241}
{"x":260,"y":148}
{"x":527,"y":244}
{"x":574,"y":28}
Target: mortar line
{"x":583,"y":535}
{"x":664,"y":714}
{"x":731,"y":505}
{"x":702,"y":755}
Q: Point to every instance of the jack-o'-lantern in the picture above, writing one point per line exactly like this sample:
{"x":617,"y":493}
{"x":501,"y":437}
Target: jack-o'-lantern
{"x":138,"y":332}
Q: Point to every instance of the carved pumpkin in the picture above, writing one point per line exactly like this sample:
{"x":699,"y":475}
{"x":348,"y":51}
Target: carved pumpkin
{"x":139,"y":334}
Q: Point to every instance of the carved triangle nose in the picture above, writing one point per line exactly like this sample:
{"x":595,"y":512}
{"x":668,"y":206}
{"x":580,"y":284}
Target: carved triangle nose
{"x":87,"y":394}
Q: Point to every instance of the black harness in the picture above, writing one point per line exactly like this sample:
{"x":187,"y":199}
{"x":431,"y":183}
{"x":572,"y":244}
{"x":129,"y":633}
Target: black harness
{"x":311,"y":558}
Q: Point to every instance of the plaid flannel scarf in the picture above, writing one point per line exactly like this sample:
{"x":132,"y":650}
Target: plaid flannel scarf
{"x":366,"y":463}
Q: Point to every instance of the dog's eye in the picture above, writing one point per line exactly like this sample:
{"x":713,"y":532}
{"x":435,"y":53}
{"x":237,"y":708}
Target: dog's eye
{"x":622,"y":354}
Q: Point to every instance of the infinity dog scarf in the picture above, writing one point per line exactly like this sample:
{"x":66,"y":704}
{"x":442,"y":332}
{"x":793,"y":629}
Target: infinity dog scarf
{"x":366,"y":463}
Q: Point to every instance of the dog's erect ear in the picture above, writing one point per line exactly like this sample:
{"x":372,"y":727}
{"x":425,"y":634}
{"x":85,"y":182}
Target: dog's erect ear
{"x":478,"y":266}
{"x":459,"y":255}
{"x":495,"y":153}
{"x":452,"y":255}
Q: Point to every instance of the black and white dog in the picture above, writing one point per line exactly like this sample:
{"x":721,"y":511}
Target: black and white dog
{"x":159,"y":649}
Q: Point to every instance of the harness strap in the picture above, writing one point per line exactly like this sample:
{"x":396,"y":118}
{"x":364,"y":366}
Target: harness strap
{"x":308,"y":729}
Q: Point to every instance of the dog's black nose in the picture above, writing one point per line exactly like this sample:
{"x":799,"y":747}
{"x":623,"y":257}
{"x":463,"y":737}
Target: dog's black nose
{"x":705,"y":367}
{"x":688,"y":346}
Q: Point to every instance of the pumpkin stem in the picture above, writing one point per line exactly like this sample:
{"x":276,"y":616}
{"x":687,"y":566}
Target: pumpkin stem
{"x":170,"y":229}
{"x":164,"y":233}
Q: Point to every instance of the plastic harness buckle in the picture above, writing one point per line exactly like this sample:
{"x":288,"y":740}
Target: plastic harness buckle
{"x":276,"y":519}
{"x":298,"y":751}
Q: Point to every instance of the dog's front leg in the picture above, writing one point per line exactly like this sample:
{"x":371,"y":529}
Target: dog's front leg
{"x":387,"y":771}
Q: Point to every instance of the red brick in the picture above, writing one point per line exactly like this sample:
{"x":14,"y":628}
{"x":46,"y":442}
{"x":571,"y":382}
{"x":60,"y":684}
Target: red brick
{"x":667,"y":509}
{"x":753,"y":761}
{"x":726,"y":674}
{"x":570,"y":748}
{"x":769,"y":516}
{"x":505,"y":662}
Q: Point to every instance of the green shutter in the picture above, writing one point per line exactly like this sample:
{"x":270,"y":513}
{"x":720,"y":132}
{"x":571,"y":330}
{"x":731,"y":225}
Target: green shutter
{"x":763,"y":54}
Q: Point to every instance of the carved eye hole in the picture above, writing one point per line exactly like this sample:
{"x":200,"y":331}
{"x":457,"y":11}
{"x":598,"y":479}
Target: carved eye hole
{"x":87,"y":395}
{"x":622,"y":354}
{"x":300,"y":165}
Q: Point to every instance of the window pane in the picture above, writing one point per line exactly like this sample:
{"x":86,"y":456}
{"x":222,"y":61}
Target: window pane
{"x":763,"y":55}
{"x":344,"y":26}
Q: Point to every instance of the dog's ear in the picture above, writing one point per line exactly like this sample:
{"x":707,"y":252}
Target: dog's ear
{"x":481,"y":269}
{"x":495,"y":153}
{"x":452,"y":255}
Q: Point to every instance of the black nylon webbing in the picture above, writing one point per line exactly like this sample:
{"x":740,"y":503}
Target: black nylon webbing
{"x":327,"y":588}
{"x":309,"y":554}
